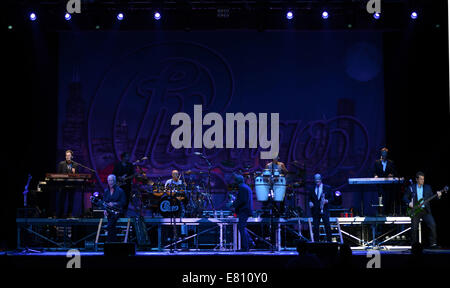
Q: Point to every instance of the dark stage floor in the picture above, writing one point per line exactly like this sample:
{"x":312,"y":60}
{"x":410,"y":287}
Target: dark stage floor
{"x":213,"y":260}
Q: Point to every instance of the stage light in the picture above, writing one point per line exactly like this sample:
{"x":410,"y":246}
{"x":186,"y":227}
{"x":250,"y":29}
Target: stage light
{"x":325,"y":15}
{"x":120,"y":16}
{"x":337,"y":198}
{"x":10,"y":27}
{"x":376,"y":15}
{"x":33,"y":17}
{"x":289,"y":15}
{"x":96,"y":194}
{"x":414,"y":15}
{"x":67,"y":16}
{"x":157,"y":15}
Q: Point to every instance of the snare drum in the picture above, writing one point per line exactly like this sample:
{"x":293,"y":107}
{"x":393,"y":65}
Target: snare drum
{"x":279,"y":188}
{"x":262,"y":188}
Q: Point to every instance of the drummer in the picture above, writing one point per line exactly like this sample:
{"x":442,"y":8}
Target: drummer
{"x":175,"y":180}
{"x":277,"y":165}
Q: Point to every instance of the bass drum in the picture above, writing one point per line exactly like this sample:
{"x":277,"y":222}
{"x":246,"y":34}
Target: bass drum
{"x":171,"y":207}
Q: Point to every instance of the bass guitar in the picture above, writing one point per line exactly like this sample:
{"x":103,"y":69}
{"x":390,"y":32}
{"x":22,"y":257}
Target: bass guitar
{"x":420,"y":206}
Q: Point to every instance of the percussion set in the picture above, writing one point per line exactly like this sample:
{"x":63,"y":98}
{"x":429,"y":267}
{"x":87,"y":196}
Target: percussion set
{"x":177,"y":200}
{"x":192,"y":198}
{"x":274,"y":186}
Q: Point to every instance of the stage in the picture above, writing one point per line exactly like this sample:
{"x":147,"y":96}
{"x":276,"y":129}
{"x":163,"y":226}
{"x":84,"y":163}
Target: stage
{"x":185,"y":117}
{"x":274,"y":234}
{"x":231,"y":261}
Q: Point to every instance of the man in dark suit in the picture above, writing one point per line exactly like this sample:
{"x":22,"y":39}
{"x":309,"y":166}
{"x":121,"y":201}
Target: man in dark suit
{"x":66,"y":166}
{"x":385,"y":167}
{"x":319,"y":195}
{"x":243,"y":206}
{"x":412,"y":195}
{"x":113,"y":196}
{"x":122,"y":170}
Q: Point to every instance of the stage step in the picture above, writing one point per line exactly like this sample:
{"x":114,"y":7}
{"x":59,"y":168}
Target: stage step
{"x":101,"y":232}
{"x":334,"y":225}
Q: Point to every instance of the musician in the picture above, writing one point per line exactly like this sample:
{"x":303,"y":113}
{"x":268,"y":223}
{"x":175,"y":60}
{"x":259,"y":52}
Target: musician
{"x":277,"y":165}
{"x":412,"y":195}
{"x":319,"y":195}
{"x":122,"y":170}
{"x":66,"y":166}
{"x":243,"y":206}
{"x":385,"y":167}
{"x":175,"y":180}
{"x":115,"y":197}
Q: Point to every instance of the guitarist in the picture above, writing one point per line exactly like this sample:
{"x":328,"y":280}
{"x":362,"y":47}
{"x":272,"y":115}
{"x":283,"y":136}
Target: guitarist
{"x":115,"y":197}
{"x":122,"y":170}
{"x":414,"y":194}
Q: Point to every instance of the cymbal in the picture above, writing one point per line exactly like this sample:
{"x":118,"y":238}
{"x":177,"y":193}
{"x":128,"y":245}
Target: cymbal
{"x":189,"y":172}
{"x":297,"y":164}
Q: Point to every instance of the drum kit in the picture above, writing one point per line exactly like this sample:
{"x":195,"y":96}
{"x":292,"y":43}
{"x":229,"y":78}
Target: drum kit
{"x":193,"y":197}
{"x":173,"y":200}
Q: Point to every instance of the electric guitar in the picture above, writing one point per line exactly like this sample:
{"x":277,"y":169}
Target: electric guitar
{"x":25,"y":192}
{"x":111,"y":209}
{"x":123,"y":180}
{"x":412,"y":212}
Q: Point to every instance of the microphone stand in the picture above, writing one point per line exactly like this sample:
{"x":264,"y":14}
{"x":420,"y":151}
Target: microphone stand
{"x":272,"y":204}
{"x":84,"y":185}
{"x":79,"y":164}
{"x":209,"y":181}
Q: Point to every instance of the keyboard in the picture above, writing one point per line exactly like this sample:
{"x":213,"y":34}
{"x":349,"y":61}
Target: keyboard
{"x":387,"y":180}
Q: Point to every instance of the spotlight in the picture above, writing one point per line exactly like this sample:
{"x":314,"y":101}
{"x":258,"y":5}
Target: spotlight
{"x":376,"y":15}
{"x":96,"y":194}
{"x":10,"y":27}
{"x":414,"y":15}
{"x":289,"y":15}
{"x":157,"y":16}
{"x":325,"y":15}
{"x":337,"y":198}
{"x":120,"y":16}
{"x":67,"y":16}
{"x":33,"y":17}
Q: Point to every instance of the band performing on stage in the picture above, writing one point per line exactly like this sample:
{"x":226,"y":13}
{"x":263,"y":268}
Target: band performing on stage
{"x":187,"y":194}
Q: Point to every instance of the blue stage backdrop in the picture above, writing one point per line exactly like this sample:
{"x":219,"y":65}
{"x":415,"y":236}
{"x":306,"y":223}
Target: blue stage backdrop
{"x":119,"y":90}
